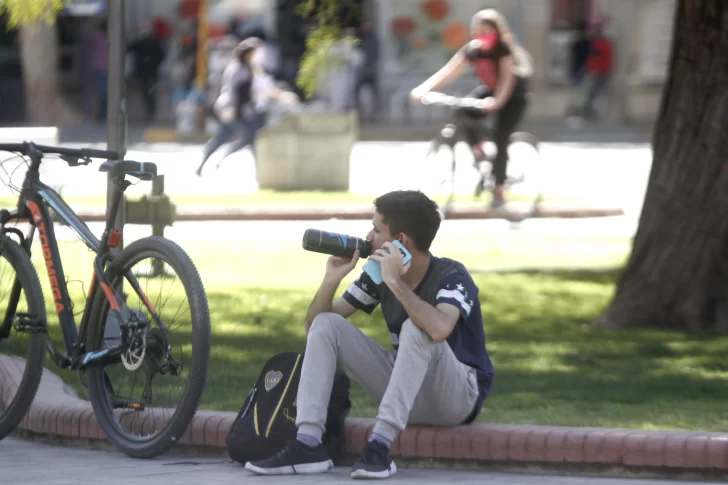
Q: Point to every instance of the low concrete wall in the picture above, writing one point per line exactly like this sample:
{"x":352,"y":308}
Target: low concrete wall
{"x":307,"y":151}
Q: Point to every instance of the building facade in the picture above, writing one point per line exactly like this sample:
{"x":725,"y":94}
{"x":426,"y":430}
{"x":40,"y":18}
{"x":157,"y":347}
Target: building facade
{"x":417,"y":39}
{"x":641,"y":32}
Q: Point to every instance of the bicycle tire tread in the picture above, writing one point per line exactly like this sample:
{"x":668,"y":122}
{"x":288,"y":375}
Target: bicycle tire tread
{"x":28,"y":388}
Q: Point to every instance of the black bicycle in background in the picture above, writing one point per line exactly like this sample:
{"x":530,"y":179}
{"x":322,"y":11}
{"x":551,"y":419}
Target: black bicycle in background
{"x":125,"y":340}
{"x":521,"y":166}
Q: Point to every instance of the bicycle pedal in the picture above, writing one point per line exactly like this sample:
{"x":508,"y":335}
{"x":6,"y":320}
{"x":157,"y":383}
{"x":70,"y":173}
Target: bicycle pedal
{"x":27,"y":323}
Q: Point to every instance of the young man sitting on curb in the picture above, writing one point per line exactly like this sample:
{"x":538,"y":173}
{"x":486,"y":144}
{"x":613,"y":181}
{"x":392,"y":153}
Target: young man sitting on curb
{"x":439,"y":372}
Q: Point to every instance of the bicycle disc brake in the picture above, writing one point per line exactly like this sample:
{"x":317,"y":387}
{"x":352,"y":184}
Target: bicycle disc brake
{"x":136,"y":326}
{"x":133,"y":357}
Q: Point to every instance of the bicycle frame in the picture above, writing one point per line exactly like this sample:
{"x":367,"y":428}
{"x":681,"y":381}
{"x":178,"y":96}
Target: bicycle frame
{"x":33,"y":207}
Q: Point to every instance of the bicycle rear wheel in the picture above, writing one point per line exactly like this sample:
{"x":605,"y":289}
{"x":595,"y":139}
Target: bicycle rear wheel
{"x":148,"y":425}
{"x":524,"y":157}
{"x":19,"y":378}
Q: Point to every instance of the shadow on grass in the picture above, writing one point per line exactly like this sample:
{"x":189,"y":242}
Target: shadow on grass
{"x":551,"y":367}
{"x":606,"y":275}
{"x":247,"y":332}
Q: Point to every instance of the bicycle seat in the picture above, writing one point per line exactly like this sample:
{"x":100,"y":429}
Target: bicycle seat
{"x":140,"y":170}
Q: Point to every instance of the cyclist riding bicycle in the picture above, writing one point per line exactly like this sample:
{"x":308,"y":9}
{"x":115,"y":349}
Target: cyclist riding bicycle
{"x":503,"y":67}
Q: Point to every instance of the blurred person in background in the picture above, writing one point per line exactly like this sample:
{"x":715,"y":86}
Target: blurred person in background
{"x":367,"y":75}
{"x":599,"y":67}
{"x":100,"y":67}
{"x":578,"y":56}
{"x":245,"y":93}
{"x":148,"y":56}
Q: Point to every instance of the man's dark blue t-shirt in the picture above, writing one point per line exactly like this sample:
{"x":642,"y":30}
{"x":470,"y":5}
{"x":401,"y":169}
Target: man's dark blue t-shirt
{"x":446,"y":281}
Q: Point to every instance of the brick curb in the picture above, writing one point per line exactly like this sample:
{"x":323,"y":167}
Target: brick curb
{"x":56,"y":412}
{"x":364,"y":212}
{"x":545,"y":131}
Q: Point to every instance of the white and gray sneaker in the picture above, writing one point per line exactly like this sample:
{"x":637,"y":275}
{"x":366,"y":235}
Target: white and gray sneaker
{"x":294,"y":458}
{"x":374,"y":462}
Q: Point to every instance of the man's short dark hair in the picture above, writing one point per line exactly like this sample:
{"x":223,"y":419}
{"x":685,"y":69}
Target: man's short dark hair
{"x":410,"y":212}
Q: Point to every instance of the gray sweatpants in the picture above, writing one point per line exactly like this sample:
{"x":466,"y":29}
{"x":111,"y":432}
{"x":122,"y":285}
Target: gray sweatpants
{"x":425,"y":384}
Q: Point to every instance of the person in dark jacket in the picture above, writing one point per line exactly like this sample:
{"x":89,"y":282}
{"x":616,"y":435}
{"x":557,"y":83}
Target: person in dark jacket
{"x":578,"y":56}
{"x":148,"y":57}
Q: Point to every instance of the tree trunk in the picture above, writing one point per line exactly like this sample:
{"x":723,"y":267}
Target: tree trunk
{"x":39,"y":57}
{"x":39,"y":54}
{"x":677,"y":274}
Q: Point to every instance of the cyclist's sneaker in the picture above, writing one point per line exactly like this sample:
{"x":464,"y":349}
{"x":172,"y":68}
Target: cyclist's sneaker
{"x":374,"y":462}
{"x":294,"y":458}
{"x":498,"y":200}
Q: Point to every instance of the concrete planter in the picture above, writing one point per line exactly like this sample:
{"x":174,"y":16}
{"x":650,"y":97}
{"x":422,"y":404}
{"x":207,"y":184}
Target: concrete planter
{"x":306,"y":151}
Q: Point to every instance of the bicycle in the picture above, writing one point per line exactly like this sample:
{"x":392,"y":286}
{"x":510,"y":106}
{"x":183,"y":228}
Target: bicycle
{"x":453,"y":133}
{"x":112,"y":335}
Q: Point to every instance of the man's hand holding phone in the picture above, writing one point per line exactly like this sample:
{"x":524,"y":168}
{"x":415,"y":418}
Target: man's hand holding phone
{"x":394,"y":261}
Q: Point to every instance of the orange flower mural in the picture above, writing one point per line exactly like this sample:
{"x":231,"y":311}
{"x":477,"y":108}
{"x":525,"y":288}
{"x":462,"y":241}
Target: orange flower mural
{"x":436,"y":10}
{"x":402,"y":26}
{"x":419,"y":43}
{"x":455,"y":35}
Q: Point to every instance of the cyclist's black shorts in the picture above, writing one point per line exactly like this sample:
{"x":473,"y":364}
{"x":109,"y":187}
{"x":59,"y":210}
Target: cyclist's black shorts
{"x":471,"y":122}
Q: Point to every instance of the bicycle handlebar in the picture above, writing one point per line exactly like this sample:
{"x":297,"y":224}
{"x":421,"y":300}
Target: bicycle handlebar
{"x":440,"y":99}
{"x":30,"y":148}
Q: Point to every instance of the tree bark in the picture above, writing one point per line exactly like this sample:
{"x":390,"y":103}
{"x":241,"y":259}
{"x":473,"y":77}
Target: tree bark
{"x":39,"y":54}
{"x":677,"y":274}
{"x":39,"y":57}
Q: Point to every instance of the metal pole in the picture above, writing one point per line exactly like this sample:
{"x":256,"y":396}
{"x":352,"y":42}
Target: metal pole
{"x":157,"y":227}
{"x":116,"y":107}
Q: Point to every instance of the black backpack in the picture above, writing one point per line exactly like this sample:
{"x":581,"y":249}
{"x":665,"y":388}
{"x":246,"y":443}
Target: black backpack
{"x":267,"y":419}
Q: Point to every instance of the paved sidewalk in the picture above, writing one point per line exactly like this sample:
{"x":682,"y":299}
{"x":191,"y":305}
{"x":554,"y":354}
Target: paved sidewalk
{"x":593,"y":176}
{"x":608,"y":167}
{"x":602,"y":171}
{"x":617,"y":452}
{"x":31,"y":463}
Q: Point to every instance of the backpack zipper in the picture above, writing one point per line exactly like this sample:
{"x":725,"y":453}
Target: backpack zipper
{"x":280,"y":402}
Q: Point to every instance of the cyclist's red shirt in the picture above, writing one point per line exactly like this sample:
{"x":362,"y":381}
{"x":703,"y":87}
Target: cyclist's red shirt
{"x":486,"y":65}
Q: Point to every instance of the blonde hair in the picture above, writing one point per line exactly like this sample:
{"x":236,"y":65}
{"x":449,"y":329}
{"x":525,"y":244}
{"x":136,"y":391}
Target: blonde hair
{"x":523,"y":60}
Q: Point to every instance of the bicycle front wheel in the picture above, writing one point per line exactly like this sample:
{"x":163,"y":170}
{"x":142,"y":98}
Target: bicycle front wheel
{"x":152,"y":272}
{"x":22,"y":337}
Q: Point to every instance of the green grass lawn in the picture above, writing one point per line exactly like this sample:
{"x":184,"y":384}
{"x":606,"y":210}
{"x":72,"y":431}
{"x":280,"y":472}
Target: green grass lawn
{"x":551,"y":367}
